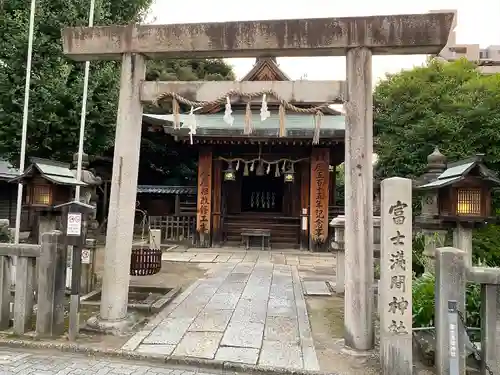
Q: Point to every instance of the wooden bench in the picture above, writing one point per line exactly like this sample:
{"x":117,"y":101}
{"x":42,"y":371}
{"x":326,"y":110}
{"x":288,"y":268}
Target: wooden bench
{"x":262,"y":233}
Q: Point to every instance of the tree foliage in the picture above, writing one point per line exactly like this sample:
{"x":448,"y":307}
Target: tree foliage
{"x":57,"y":82}
{"x":449,"y":105}
{"x":190,"y":70}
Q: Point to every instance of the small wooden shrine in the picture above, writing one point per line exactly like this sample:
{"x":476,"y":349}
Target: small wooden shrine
{"x":264,"y":164}
{"x":48,"y":184}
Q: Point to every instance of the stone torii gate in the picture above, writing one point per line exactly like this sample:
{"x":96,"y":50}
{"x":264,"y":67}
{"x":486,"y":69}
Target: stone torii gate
{"x":356,"y":37}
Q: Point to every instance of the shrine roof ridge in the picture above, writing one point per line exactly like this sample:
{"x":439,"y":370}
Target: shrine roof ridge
{"x":384,"y":35}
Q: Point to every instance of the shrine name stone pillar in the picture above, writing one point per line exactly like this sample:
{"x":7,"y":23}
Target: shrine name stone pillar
{"x":122,"y":202}
{"x":204,"y":204}
{"x":358,"y":313}
{"x":320,"y":162}
{"x":395,"y":288}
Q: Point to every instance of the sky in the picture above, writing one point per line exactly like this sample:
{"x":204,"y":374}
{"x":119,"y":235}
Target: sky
{"x":477,"y":24}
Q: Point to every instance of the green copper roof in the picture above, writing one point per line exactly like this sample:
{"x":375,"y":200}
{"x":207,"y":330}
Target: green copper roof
{"x":459,"y":170}
{"x":215,"y":121}
{"x":56,"y":172}
{"x":441,"y":183}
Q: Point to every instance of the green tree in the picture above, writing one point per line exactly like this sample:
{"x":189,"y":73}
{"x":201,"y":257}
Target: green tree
{"x":189,"y":70}
{"x":449,"y":105}
{"x":340,"y":185}
{"x":162,"y":160}
{"x":57,"y":82}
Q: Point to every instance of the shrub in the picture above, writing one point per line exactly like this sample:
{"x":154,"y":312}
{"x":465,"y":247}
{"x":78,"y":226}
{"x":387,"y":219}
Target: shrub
{"x":423,"y":300}
{"x":423,"y":292}
{"x":486,"y":245}
{"x":4,"y":233}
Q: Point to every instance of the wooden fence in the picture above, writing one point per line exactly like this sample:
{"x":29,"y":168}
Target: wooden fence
{"x":50,"y":257}
{"x":174,"y":228}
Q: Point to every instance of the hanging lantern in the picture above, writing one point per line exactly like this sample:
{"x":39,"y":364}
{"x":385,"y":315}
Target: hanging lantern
{"x":289,"y":175}
{"x":229,"y":174}
{"x":260,"y":170}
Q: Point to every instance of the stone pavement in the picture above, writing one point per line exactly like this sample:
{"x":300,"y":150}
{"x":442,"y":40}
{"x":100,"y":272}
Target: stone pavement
{"x":251,"y":312}
{"x":311,"y":266}
{"x":21,"y":362}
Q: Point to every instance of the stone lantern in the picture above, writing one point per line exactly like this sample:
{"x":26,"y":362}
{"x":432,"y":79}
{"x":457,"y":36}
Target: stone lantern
{"x":456,"y":195}
{"x":432,"y":228}
{"x":436,"y":165}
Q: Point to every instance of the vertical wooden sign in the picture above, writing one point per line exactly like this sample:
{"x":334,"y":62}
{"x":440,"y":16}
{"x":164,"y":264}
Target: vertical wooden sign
{"x":217,"y":203}
{"x":204,"y":204}
{"x":320,"y":159}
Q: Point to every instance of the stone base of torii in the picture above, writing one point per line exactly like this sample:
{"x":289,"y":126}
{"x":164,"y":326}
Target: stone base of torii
{"x":356,"y":37}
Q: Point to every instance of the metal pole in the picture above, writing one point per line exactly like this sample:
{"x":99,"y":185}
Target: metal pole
{"x":84,"y":110}
{"x":24,"y":130}
{"x":74,"y":303}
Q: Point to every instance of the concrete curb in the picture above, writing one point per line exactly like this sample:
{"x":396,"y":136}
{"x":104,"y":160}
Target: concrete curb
{"x":208,"y":364}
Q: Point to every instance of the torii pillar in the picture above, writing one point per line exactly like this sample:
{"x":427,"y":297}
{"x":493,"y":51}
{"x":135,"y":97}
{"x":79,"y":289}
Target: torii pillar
{"x":358,"y":240}
{"x":123,"y":196}
{"x":359,"y":36}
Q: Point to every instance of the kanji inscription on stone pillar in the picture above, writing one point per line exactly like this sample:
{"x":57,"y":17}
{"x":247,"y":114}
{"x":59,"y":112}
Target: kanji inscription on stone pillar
{"x":395,"y":277}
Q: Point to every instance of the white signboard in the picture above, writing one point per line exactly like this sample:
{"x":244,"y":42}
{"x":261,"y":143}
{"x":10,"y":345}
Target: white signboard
{"x":74,"y":227}
{"x":85,"y":256}
{"x":304,"y":222}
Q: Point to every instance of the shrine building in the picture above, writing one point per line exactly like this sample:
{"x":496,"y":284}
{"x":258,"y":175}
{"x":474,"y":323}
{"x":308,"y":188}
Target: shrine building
{"x":273,"y":185}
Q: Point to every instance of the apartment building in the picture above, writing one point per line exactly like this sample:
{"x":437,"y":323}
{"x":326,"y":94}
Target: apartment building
{"x":488,"y":58}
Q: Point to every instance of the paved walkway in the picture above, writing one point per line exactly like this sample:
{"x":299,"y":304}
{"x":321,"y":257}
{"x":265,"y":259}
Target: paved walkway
{"x":250,"y":312}
{"x":311,"y":266}
{"x":21,"y":362}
